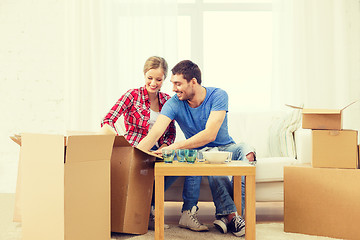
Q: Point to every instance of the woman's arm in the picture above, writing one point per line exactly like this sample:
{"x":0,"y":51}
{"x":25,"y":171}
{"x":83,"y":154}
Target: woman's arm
{"x":122,"y":105}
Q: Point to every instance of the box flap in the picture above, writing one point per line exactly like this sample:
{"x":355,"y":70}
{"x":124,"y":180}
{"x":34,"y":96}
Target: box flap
{"x":75,"y":132}
{"x":149,"y":153}
{"x":120,"y":141}
{"x":17,"y":139}
{"x":42,"y":186}
{"x":349,"y":105}
{"x":85,"y":148}
{"x":293,"y":106}
{"x":321,"y":111}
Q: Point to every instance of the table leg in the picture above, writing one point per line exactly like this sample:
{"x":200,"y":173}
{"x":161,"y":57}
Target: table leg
{"x":250,"y":208}
{"x":237,"y":193}
{"x":159,"y":207}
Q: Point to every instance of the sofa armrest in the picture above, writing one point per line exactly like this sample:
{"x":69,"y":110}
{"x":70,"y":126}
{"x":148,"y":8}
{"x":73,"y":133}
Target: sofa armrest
{"x":303,"y":143}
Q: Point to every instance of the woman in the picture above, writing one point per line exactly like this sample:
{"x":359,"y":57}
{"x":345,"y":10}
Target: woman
{"x":141,"y":106}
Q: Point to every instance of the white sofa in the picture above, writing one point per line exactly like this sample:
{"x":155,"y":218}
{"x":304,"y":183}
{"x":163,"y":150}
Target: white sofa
{"x":273,"y":135}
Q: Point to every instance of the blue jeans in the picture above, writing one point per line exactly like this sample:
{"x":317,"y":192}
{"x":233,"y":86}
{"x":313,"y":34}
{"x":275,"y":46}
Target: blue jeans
{"x":222,"y":186}
{"x":191,"y":189}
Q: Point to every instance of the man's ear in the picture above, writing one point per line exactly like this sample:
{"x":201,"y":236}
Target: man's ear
{"x":194,"y":80}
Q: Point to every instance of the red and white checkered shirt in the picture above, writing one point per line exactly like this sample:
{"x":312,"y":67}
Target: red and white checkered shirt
{"x":135,"y":106}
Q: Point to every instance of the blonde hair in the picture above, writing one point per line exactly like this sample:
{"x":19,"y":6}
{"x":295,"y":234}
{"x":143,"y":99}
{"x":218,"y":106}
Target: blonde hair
{"x":155,"y":62}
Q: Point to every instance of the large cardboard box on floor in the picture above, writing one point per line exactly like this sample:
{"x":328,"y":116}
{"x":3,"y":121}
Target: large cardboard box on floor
{"x":132,"y":179}
{"x":335,"y":149}
{"x":65,"y":186}
{"x":322,"y":201}
{"x":322,"y":118}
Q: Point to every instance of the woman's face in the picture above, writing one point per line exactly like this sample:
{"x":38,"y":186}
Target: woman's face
{"x":154,"y":79}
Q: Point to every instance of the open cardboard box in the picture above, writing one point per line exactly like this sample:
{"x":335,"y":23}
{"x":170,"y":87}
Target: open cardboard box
{"x":132,"y":181}
{"x":322,"y":118}
{"x":132,"y":177}
{"x":63,"y":188}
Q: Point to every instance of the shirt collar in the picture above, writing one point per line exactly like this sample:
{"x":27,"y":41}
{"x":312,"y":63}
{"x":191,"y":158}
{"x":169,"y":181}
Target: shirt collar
{"x":144,"y":94}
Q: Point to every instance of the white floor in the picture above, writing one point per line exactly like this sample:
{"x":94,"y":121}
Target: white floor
{"x":269,"y":223}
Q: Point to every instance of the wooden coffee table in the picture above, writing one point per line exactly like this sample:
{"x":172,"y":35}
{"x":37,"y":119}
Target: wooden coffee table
{"x":234,"y":168}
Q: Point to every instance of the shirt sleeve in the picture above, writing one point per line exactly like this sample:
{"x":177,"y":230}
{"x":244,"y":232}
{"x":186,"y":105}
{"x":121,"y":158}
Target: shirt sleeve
{"x":220,"y":100}
{"x":170,"y":133}
{"x":122,"y":105}
{"x":168,"y":108}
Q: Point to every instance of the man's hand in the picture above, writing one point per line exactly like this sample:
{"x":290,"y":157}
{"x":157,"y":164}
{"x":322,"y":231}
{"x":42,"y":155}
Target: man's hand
{"x":172,"y":146}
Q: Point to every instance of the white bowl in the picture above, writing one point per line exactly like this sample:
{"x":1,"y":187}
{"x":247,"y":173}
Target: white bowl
{"x":217,"y":157}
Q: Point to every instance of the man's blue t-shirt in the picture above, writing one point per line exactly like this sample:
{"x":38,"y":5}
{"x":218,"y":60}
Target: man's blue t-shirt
{"x":193,"y":120}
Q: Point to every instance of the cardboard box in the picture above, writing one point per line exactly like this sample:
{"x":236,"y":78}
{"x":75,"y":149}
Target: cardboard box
{"x":330,"y":119}
{"x":322,"y":201}
{"x":65,"y":186}
{"x":132,"y":179}
{"x":335,"y":149}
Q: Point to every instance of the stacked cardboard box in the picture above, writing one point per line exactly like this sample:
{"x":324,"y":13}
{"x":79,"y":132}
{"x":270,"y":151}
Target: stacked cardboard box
{"x":322,"y":199}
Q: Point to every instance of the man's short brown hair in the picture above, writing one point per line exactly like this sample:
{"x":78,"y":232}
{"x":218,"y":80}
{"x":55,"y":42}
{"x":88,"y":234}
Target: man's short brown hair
{"x":188,"y":69}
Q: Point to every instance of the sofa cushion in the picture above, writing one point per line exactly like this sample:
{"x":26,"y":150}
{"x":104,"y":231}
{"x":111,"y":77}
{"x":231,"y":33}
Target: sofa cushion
{"x":270,"y":191}
{"x":272,"y":169}
{"x":253,"y":128}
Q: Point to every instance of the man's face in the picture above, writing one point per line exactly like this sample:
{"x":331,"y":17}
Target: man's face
{"x":182,"y":88}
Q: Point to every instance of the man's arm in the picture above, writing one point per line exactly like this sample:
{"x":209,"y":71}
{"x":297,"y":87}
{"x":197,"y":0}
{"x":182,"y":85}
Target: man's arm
{"x":207,"y":135}
{"x":155,"y":133}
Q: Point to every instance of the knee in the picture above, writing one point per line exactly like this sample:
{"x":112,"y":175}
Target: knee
{"x":251,"y":156}
{"x":193,"y":180}
{"x":217,"y":179}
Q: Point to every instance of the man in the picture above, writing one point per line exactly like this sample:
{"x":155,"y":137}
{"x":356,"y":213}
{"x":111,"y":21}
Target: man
{"x":201,"y":113}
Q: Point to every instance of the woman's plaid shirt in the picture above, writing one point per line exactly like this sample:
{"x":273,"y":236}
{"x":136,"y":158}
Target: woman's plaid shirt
{"x":135,"y":106}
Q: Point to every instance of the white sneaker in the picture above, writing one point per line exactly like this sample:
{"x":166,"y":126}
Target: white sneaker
{"x":221,"y":224}
{"x":189,"y":220}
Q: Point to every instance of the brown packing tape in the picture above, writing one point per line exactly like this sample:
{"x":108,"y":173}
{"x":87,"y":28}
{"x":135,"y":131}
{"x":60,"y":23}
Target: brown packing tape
{"x":334,"y":133}
{"x":16,"y":139}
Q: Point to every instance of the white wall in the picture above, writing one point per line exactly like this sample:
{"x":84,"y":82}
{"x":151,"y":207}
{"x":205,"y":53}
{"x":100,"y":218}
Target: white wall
{"x":32,"y":70}
{"x":32,"y":61}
